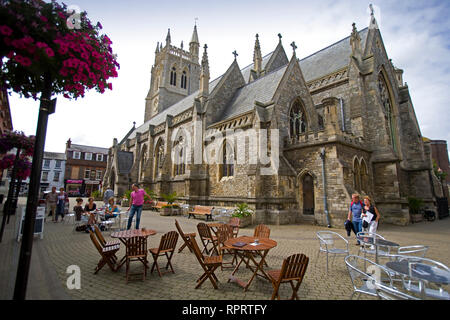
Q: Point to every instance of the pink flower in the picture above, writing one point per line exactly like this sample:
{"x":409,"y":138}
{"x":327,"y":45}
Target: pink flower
{"x":44,"y":19}
{"x":6,"y":31}
{"x":49,"y":52}
{"x":41,"y":45}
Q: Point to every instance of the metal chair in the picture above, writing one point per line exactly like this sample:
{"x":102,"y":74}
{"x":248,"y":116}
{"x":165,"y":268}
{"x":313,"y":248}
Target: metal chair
{"x":391,"y":293}
{"x":368,"y":248}
{"x":70,"y":216}
{"x":364,"y":279}
{"x":422,"y":287}
{"x":416,"y":250}
{"x":331,"y":242}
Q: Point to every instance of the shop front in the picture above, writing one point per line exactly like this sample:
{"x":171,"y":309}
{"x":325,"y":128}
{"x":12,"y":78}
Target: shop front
{"x":74,"y":187}
{"x":91,"y":185}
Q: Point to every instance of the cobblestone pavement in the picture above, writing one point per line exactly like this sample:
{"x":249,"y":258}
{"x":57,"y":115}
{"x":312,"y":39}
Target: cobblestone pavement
{"x":64,"y":247}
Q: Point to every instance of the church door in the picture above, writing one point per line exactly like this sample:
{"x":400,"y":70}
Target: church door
{"x":308,"y":194}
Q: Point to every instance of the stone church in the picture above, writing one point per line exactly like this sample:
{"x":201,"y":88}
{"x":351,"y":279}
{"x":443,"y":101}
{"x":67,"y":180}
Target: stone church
{"x":339,"y":121}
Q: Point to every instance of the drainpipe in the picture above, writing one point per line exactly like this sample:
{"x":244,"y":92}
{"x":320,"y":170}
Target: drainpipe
{"x":341,"y":101}
{"x":322,"y":155}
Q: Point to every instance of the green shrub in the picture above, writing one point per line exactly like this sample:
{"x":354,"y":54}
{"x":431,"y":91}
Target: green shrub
{"x":414,"y":204}
{"x":242,"y":211}
{"x":96,"y":194}
{"x":170,"y":198}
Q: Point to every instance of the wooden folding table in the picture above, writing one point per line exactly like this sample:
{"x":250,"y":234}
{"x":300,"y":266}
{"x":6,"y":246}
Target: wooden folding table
{"x":245,"y":252}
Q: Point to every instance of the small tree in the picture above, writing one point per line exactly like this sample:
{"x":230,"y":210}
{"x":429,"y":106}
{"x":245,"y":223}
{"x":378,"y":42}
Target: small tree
{"x":414,"y":204}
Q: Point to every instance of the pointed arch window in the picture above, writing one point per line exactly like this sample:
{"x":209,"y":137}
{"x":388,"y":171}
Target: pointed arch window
{"x":227,"y":166}
{"x":159,"y":157}
{"x":387,"y":108}
{"x":180,"y":157}
{"x":297,"y":120}
{"x":184,"y":80}
{"x":173,"y":76}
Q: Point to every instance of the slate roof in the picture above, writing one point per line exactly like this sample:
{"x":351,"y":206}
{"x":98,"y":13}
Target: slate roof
{"x":261,"y":90}
{"x":329,"y":59}
{"x":82,"y":148}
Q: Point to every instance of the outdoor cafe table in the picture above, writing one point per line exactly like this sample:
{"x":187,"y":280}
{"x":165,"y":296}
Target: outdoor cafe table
{"x":124,"y":235}
{"x":422,"y":272}
{"x":247,"y":251}
{"x":377,"y":243}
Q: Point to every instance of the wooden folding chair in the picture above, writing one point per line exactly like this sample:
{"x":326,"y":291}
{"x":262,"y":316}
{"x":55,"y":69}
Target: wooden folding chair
{"x":166,"y":248}
{"x":207,"y":238}
{"x":235,"y":222}
{"x":225,"y":232}
{"x":293,"y":268}
{"x":209,"y":264}
{"x":107,"y":254}
{"x":136,"y":250}
{"x":261,"y":231}
{"x":102,"y":240}
{"x":184,"y":236}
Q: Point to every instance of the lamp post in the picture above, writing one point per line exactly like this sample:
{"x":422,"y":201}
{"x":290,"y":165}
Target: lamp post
{"x":47,"y":107}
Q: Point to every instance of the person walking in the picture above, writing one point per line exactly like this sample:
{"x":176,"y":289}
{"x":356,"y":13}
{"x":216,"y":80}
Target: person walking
{"x":50,"y":200}
{"x":369,"y":207}
{"x":60,"y":204}
{"x":137,"y":200}
{"x":355,"y":212}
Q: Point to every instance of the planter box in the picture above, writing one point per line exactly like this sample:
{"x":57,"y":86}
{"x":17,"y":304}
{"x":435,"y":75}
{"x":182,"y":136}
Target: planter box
{"x":416,"y":218}
{"x":246,"y":221}
{"x":169,"y":211}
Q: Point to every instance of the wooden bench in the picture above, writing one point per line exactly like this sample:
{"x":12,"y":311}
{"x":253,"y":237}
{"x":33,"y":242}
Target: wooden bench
{"x":159,"y":205}
{"x":203,"y":211}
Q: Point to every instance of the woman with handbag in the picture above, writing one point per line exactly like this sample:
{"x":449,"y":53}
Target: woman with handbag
{"x":370,"y":208}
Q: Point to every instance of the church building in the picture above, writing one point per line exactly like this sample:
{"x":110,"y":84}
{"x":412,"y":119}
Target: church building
{"x":293,"y":138}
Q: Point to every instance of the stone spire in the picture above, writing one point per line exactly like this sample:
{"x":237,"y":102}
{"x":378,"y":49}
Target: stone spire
{"x":204,"y":75}
{"x":157,"y":48}
{"x":373,"y":22}
{"x":194,"y":45}
{"x":257,"y":56}
{"x":355,"y":40}
{"x":168,"y":38}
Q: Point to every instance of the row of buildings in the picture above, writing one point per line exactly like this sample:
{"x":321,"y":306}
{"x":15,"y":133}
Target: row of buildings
{"x":79,"y":170}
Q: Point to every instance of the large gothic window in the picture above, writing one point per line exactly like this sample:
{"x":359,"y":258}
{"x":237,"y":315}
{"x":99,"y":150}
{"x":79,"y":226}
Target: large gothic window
{"x":173,"y":76}
{"x":297,"y":120}
{"x":184,"y":80}
{"x":180,"y":157}
{"x":227,"y":166}
{"x":159,"y":157}
{"x":387,"y":109}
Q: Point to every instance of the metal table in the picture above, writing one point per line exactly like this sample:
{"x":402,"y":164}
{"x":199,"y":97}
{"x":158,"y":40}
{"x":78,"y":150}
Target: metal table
{"x":421,"y":272}
{"x":377,"y":243}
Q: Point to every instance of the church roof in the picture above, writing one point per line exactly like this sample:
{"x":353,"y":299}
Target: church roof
{"x":329,"y":59}
{"x":261,"y":90}
{"x":314,"y":66}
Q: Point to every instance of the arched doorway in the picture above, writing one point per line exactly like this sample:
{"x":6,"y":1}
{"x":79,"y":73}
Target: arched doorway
{"x":308,"y":194}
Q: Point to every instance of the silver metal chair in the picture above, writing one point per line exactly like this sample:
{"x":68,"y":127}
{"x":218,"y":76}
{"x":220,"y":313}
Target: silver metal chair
{"x":331,"y":242}
{"x":367,"y":248}
{"x":385,"y":292}
{"x":423,"y":287}
{"x":364,"y":279}
{"x":416,"y":250}
{"x":68,"y":217}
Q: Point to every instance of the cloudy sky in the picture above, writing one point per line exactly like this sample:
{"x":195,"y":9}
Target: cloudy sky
{"x":416,"y":35}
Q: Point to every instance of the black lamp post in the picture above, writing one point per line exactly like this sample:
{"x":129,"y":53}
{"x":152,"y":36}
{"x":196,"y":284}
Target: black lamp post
{"x":47,"y":107}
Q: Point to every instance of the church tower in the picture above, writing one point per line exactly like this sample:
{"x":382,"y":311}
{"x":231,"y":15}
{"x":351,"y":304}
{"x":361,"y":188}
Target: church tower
{"x":175,"y":74}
